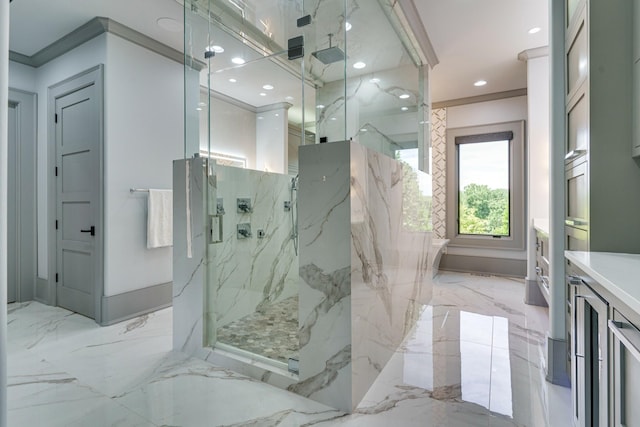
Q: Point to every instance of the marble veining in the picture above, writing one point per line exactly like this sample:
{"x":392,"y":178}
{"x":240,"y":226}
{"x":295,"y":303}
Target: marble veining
{"x":370,"y":305}
{"x":127,"y":375}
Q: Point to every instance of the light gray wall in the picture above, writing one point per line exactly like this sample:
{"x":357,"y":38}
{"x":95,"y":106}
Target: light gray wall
{"x":233,"y":129}
{"x":143,"y":135}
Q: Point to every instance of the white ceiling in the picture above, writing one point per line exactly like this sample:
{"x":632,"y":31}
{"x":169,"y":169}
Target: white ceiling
{"x":480,"y":40}
{"x":473,"y":39}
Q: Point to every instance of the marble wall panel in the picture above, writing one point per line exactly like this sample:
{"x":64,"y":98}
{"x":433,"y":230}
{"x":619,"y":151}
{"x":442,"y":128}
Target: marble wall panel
{"x":389,"y":271}
{"x":363,"y":274}
{"x":191,"y":259}
{"x":255,"y":272}
{"x":325,"y":268}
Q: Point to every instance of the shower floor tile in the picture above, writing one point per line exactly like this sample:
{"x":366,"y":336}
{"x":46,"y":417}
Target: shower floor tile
{"x":272,"y":333}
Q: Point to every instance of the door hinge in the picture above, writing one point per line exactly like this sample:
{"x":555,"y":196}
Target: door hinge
{"x":56,"y":224}
{"x":56,"y":171}
{"x":56,"y":277}
{"x":56,"y":118}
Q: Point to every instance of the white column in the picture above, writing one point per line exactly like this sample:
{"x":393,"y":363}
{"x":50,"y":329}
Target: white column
{"x":4,"y":142}
{"x":556,"y":343}
{"x":537,"y":60}
{"x":272,"y":138}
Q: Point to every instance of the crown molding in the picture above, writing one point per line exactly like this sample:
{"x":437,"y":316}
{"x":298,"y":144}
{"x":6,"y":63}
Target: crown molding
{"x":536,"y":52}
{"x":480,"y":98}
{"x":95,"y":27}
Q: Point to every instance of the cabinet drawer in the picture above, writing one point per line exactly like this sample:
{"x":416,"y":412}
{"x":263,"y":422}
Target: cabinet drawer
{"x":577,"y":197}
{"x":576,"y":239}
{"x":625,"y":338}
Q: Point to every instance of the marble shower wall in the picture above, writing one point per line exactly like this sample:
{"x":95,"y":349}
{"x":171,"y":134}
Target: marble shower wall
{"x":363,"y":275}
{"x":256,"y":272}
{"x":192,"y":262}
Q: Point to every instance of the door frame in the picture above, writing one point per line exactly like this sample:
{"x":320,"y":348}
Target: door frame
{"x":25,"y":104}
{"x":92,"y":76}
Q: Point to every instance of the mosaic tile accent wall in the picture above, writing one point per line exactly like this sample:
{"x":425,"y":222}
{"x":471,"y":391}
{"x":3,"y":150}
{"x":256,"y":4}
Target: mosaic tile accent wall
{"x":439,"y":175}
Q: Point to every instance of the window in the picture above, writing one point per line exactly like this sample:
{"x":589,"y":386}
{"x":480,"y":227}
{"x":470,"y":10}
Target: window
{"x":485,"y":175}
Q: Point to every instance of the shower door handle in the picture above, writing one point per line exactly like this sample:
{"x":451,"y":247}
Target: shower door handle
{"x":212,"y":219}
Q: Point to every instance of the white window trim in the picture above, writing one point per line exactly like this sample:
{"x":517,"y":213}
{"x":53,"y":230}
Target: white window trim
{"x":517,"y":174}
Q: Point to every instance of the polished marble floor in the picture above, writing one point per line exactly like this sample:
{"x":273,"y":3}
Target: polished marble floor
{"x":271,"y":333}
{"x":475,"y":358}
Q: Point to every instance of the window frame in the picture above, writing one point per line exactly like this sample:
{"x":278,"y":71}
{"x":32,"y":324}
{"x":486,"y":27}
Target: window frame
{"x":517,"y":191}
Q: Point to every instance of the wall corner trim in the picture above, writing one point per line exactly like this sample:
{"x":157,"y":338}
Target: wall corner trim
{"x":125,"y":306}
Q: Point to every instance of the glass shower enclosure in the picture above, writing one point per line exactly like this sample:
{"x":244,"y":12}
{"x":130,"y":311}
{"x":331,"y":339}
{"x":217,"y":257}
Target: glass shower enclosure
{"x":262,"y":78}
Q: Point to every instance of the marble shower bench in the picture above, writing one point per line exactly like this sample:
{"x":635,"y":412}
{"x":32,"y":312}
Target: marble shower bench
{"x":365,"y":270}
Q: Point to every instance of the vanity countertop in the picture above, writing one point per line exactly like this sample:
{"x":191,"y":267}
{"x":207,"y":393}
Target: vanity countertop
{"x":618,"y":273}
{"x":542,"y":225}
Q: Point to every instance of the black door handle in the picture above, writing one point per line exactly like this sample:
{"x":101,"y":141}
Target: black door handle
{"x":92,"y":230}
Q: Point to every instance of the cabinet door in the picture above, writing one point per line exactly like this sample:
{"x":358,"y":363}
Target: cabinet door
{"x":625,"y":393}
{"x":591,"y":392}
{"x":635,"y":108}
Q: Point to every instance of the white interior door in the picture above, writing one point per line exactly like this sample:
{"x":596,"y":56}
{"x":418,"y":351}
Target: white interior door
{"x":78,"y":139}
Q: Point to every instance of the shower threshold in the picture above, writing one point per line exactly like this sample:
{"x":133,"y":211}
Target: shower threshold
{"x":249,"y":358}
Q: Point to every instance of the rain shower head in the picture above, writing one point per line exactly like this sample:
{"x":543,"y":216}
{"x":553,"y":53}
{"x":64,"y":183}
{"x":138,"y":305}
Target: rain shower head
{"x":329,"y":55}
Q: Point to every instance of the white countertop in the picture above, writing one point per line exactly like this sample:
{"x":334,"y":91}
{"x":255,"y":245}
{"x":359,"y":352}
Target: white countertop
{"x":541,"y":224}
{"x":618,"y":273}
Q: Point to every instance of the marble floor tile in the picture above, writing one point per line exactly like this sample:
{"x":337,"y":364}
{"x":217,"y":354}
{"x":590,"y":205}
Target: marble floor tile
{"x":474,"y":358}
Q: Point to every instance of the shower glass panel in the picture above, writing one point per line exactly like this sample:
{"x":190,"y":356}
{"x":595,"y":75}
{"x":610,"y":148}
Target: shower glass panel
{"x":249,"y":103}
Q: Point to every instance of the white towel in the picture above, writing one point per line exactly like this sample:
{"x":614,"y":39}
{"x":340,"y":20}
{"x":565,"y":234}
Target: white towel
{"x":160,"y":219}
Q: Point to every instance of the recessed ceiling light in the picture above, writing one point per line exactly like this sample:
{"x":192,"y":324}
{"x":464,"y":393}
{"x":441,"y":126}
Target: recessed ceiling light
{"x":232,"y":80}
{"x":374,"y":80}
{"x":215,"y":48}
{"x":319,"y":106}
{"x":289,"y":98}
{"x":405,"y":108}
{"x":333,"y":118}
{"x":263,"y":94}
{"x":347,"y":26}
{"x":267,"y":87}
{"x":169,"y":24}
{"x":277,"y":115}
{"x":202,"y":104}
{"x":260,"y":117}
{"x":534,"y":30}
{"x":480,"y":83}
{"x":237,"y":60}
{"x":363,"y":130}
{"x":404,"y":96}
{"x":359,"y":65}
{"x":199,"y":108}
